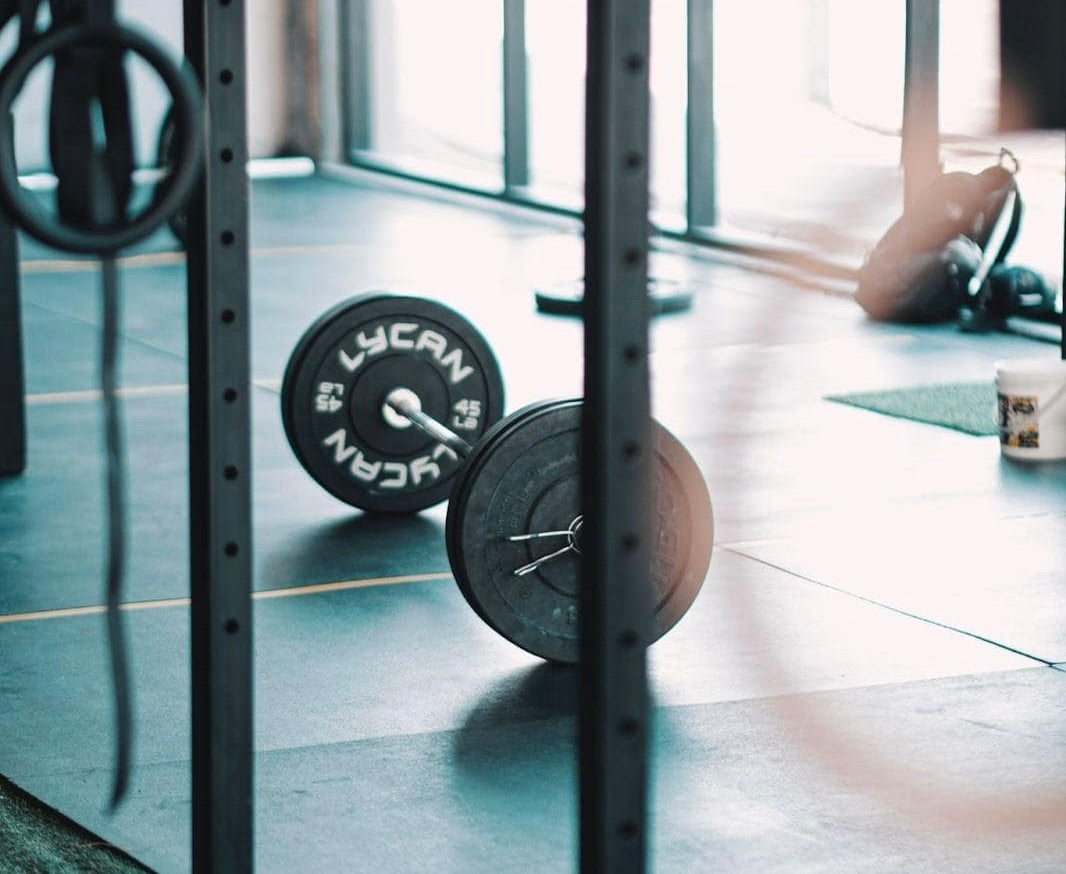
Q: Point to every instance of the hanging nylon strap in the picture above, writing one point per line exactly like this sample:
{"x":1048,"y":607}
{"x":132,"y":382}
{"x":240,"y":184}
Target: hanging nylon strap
{"x":89,"y":103}
{"x":116,"y":539}
{"x":91,"y":149}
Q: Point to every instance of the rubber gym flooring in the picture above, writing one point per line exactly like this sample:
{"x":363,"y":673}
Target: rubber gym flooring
{"x":868,"y":681}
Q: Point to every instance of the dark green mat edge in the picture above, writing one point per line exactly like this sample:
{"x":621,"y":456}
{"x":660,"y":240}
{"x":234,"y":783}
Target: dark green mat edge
{"x":37,"y":839}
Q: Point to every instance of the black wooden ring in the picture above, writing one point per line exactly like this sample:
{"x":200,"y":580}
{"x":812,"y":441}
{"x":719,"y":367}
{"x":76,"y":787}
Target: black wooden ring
{"x":169,"y":195}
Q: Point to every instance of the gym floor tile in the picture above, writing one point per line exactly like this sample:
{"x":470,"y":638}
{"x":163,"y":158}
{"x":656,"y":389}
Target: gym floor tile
{"x":740,"y":786}
{"x":303,"y":534}
{"x":153,"y":302}
{"x":339,"y":667}
{"x":327,"y":662}
{"x":773,"y":487}
{"x":997,"y":578}
{"x":62,"y":354}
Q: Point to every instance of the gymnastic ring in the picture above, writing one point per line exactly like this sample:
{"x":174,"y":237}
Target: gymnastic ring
{"x":169,"y":194}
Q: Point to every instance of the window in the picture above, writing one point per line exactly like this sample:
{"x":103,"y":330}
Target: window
{"x":555,"y":46}
{"x":796,"y":133}
{"x":436,"y":85}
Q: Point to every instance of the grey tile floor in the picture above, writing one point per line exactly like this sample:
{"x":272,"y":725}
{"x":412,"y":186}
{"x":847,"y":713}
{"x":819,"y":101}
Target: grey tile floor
{"x":866,"y":683}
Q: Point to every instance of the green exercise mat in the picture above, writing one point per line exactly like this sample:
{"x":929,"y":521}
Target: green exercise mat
{"x":35,"y":839}
{"x":965,"y":406}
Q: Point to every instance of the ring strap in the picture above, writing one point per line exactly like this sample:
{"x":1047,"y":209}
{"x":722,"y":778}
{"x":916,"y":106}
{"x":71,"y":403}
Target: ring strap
{"x":89,"y":114}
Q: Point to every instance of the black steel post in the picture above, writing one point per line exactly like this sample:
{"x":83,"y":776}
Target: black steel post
{"x":1032,"y":77}
{"x":355,"y":83}
{"x":220,"y":473}
{"x":12,"y":400}
{"x":1032,"y":64}
{"x":515,"y":96}
{"x":701,"y":200}
{"x":920,"y":148}
{"x":616,"y":444}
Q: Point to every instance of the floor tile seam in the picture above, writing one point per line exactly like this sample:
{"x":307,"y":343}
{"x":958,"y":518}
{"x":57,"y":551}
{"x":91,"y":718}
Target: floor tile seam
{"x":281,"y":749}
{"x":149,"y":260}
{"x":20,"y":778}
{"x":270,"y":385}
{"x":858,"y":687}
{"x":62,"y":266}
{"x":99,"y":327}
{"x":739,"y":547}
{"x":897,"y":610}
{"x":400,"y":188}
{"x":89,"y":395}
{"x":305,"y":590}
{"x":424,"y":733}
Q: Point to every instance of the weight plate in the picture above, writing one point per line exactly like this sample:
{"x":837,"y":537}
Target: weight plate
{"x":566,"y":299}
{"x":334,"y":389}
{"x":522,"y":479}
{"x":455,"y":528}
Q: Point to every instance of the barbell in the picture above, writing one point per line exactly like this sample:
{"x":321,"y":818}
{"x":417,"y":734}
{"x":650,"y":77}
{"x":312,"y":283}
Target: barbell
{"x":395,"y":403}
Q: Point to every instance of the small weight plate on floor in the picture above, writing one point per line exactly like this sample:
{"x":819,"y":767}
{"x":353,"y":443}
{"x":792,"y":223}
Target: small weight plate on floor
{"x":566,"y":299}
{"x":523,"y":478}
{"x":335,"y":385}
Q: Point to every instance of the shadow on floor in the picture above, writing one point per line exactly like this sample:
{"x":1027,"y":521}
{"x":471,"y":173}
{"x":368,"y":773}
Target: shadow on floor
{"x":358,"y":545}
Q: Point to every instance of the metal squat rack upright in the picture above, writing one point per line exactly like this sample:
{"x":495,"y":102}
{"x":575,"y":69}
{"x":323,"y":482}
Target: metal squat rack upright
{"x":220,"y":470}
{"x":616,"y":444}
{"x":616,"y":435}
